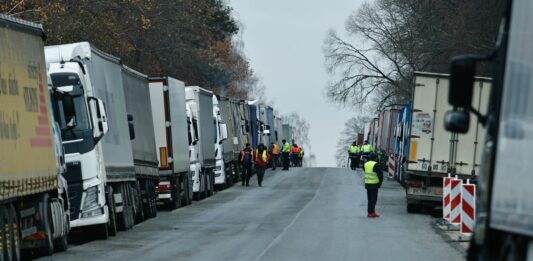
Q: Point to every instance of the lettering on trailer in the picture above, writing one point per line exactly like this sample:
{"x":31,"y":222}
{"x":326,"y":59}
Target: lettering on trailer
{"x":30,"y":99}
{"x":42,"y":131}
{"x":9,"y":125}
{"x":9,"y":85}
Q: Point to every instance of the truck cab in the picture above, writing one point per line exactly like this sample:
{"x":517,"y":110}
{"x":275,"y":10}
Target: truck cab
{"x":221,"y":135}
{"x":198,"y":183}
{"x":82,"y":121}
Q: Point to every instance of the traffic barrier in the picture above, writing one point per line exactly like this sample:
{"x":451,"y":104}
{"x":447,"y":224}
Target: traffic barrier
{"x":391,"y":166}
{"x":446,"y":202}
{"x":455,"y":194}
{"x":468,"y":208}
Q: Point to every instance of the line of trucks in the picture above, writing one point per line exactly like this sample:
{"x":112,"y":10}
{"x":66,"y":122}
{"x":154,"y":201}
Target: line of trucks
{"x":90,"y":144}
{"x":434,"y":135}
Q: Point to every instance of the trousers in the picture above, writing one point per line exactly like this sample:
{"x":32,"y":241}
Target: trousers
{"x":260,"y":175}
{"x":274,"y":161}
{"x":372,"y":197}
{"x":285,"y":156}
{"x":246,"y":173}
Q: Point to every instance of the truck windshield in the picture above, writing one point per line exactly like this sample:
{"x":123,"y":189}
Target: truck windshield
{"x":70,"y":108}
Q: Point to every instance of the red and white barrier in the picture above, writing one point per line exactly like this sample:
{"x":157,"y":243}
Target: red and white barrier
{"x":446,"y":197}
{"x":455,"y":204}
{"x":468,"y":208}
{"x":391,"y":165}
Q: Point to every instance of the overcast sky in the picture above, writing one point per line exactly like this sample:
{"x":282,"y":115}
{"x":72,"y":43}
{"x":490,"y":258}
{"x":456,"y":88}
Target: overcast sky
{"x":283,"y":40}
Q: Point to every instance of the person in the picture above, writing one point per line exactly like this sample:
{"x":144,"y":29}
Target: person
{"x":247,"y":158}
{"x":300,"y":156}
{"x":373,"y":180}
{"x":274,"y":150}
{"x":366,"y":149}
{"x":353,"y":154}
{"x":262,"y":158}
{"x":285,"y":150}
{"x":294,"y":154}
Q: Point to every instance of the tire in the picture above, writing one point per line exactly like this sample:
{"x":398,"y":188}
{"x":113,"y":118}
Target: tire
{"x":124,"y":217}
{"x":413,"y":208}
{"x":175,"y":192}
{"x":186,"y":200}
{"x":153,"y":199}
{"x":204,"y":181}
{"x":137,"y":197}
{"x":147,"y":206}
{"x":112,"y":227}
{"x":48,"y":248}
{"x":190,"y":190}
{"x":210,"y":183}
{"x":129,"y":196}
{"x":14,"y":226}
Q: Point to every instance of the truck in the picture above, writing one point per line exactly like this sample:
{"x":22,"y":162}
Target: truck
{"x":170,"y":130}
{"x":387,"y":122}
{"x":34,"y":207}
{"x":200,"y":103}
{"x":136,"y":91}
{"x":254,"y":124}
{"x":433,"y":152}
{"x":232,"y":144}
{"x":401,"y":144}
{"x":221,"y":134}
{"x":504,"y":198}
{"x":97,"y":138}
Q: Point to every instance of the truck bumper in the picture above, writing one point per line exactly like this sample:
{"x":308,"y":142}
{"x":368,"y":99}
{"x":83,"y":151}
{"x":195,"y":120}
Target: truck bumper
{"x":429,"y":194}
{"x":89,"y":221}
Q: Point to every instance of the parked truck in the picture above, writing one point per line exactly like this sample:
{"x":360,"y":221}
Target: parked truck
{"x":387,"y":122}
{"x":34,"y":208}
{"x":433,"y":152}
{"x":221,"y":132}
{"x":100,"y":169}
{"x":170,"y":126}
{"x":200,"y":102}
{"x":504,"y":199}
{"x":231,"y":145}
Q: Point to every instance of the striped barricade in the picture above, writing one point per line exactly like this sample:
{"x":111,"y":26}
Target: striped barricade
{"x":455,"y":201}
{"x":446,"y":198}
{"x":391,"y":166}
{"x":468,"y":208}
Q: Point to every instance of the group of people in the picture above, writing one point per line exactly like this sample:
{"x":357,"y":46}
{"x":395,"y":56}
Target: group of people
{"x":373,"y":173}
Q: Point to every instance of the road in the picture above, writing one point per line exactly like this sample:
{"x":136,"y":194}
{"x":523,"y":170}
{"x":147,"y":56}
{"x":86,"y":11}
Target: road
{"x":302,"y":214}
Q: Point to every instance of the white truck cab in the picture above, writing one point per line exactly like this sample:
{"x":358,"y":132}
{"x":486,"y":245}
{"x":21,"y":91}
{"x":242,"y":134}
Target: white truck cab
{"x":221,"y":135}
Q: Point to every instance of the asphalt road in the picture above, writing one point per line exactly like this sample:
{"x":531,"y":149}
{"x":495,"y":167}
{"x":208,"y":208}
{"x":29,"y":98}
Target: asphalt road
{"x":302,"y":214}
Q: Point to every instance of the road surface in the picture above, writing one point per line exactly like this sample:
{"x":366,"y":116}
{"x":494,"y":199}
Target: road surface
{"x":302,"y":214}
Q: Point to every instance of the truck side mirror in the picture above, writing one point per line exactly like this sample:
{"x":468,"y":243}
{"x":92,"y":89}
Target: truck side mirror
{"x":131,"y":127}
{"x":98,"y":117}
{"x":457,"y":121}
{"x":463,"y":69}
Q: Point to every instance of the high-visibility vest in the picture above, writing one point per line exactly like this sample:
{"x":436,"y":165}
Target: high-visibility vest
{"x":264,"y":156}
{"x":275,"y":148}
{"x":353,"y":149}
{"x":367,"y":148}
{"x":286,"y":147}
{"x":294,"y":149}
{"x":371,"y":177}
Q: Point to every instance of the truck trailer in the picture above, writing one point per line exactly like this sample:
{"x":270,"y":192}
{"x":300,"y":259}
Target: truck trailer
{"x":34,"y":207}
{"x":433,"y":152}
{"x":170,"y":128}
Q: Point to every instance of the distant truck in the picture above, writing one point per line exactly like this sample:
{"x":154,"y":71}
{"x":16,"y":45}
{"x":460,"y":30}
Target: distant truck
{"x":97,"y":138}
{"x":504,"y":200}
{"x":232,"y":144}
{"x":387,"y":123}
{"x":200,"y":103}
{"x":174,"y":141}
{"x":34,"y":207}
{"x":221,"y":134}
{"x":433,"y":152}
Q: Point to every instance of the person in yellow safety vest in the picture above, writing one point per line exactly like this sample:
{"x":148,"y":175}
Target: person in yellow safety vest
{"x":353,"y":154}
{"x":285,"y":151}
{"x":262,"y":157}
{"x":301,"y":157}
{"x":367,"y":148}
{"x":373,"y":180}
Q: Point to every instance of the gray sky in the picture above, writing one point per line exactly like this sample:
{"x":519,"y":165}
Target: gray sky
{"x":283,"y":40}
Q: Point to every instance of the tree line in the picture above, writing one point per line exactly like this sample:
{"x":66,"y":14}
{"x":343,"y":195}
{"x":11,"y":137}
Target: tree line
{"x":192,"y":40}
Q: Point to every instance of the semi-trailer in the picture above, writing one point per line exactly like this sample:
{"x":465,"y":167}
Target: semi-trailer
{"x":136,"y":91}
{"x":100,"y":169}
{"x":434,"y":153}
{"x":387,"y":122}
{"x":34,"y":208}
{"x":173,"y":140}
{"x":254,"y":124}
{"x":200,"y":102}
{"x":230,"y":145}
{"x":221,"y":132}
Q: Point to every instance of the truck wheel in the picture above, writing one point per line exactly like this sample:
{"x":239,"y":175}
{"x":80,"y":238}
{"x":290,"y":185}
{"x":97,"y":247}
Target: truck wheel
{"x":147,"y":197}
{"x":14,"y":234}
{"x":186,"y":200}
{"x":413,"y":208}
{"x":111,"y":212}
{"x":48,"y":248}
{"x":175,"y":193}
{"x":139,"y":213}
{"x":210,"y":183}
{"x":203,"y":185}
{"x":124,"y":217}
{"x":131,"y":216}
{"x":153,"y":199}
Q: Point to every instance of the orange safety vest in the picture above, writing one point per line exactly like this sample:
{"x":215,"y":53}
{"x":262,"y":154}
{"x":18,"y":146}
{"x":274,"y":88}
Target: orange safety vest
{"x":294,"y":149}
{"x":275,"y":149}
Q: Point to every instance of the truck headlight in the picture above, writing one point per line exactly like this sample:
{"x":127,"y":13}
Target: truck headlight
{"x":91,"y":198}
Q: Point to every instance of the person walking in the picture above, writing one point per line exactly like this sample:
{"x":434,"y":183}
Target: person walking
{"x":294,"y":154}
{"x":353,"y":154}
{"x":261,"y":162}
{"x":285,"y":150}
{"x":373,"y":180}
{"x":301,"y":156}
{"x":247,"y":159}
{"x":274,"y":150}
